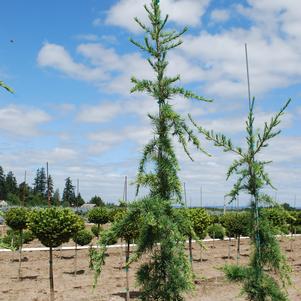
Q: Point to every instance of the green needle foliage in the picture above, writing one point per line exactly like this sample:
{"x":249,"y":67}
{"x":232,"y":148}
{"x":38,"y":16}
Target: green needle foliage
{"x":163,"y":181}
{"x":4,"y":86}
{"x":167,"y":274}
{"x":267,"y":259}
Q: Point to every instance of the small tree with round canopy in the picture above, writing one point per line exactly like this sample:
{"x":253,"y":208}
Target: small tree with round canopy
{"x":54,"y":226}
{"x":99,"y":216}
{"x":16,"y":219}
{"x":82,"y":237}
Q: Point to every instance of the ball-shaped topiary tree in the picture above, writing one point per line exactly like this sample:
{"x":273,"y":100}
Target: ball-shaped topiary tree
{"x":196,"y":223}
{"x":216,"y":231}
{"x":236,"y":224}
{"x":99,"y":216}
{"x":54,"y":226}
{"x":82,"y":238}
{"x":16,"y":219}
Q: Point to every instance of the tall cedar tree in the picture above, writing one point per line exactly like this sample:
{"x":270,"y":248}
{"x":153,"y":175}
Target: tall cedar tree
{"x":69,"y":198}
{"x":258,"y":284}
{"x":168,"y":273}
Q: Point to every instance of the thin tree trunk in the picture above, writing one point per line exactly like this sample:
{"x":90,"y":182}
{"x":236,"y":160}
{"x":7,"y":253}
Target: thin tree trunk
{"x":20,"y":254}
{"x":238,"y":249}
{"x":75,"y":260}
{"x":190,"y":250}
{"x":51,"y":275}
{"x":127,"y":256}
{"x":229,"y":247}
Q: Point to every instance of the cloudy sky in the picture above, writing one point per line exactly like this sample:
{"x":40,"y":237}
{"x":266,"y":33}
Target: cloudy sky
{"x":70,"y":63}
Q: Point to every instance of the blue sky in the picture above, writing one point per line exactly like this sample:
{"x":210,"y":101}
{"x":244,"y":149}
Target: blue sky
{"x":70,"y":64}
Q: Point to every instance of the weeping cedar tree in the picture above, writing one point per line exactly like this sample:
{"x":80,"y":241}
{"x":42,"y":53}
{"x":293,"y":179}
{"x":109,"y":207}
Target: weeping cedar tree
{"x":168,"y":274}
{"x":258,"y":284}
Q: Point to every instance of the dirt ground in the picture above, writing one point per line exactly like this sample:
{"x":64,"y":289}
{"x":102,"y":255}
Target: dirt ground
{"x":211,"y":285}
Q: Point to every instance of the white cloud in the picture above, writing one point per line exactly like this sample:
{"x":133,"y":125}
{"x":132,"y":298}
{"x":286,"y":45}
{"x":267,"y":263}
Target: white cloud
{"x":219,"y":15}
{"x":55,"y":56}
{"x":22,"y":121}
{"x":101,"y":113}
{"x":105,"y":140}
{"x":183,"y":12}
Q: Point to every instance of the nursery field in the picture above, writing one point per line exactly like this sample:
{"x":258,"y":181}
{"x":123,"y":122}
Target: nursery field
{"x":210,"y":283}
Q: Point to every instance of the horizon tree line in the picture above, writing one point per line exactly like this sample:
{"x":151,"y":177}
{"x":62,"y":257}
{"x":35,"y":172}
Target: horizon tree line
{"x":36,"y":194}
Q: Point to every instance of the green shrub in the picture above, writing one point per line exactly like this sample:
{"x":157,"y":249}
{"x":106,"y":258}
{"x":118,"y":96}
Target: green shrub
{"x":116,"y":213}
{"x":216,"y":231}
{"x":96,"y":230}
{"x":12,"y":238}
{"x":16,"y":218}
{"x":215,"y":218}
{"x":277,"y":218}
{"x":99,"y":216}
{"x":83,"y":237}
{"x":235,"y":272}
{"x":54,"y":226}
{"x":236,"y":223}
{"x":200,"y":220}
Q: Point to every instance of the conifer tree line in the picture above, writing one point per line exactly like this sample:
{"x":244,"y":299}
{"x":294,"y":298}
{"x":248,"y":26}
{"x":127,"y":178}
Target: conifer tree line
{"x":36,"y":194}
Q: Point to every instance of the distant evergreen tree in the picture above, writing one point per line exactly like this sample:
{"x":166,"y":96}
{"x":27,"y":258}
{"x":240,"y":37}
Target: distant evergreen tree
{"x":56,"y":198}
{"x":79,"y":201}
{"x":24,"y":191}
{"x":40,"y":182}
{"x":69,"y":198}
{"x":2,"y":184}
{"x":11,"y":183}
{"x":97,"y":200}
{"x":51,"y":187}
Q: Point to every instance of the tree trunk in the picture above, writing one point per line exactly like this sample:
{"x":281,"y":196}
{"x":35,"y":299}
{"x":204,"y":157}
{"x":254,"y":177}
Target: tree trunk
{"x":190,"y":250}
{"x":238,"y":249}
{"x":127,"y":256}
{"x":51,"y":275}
{"x":229,"y":247}
{"x":20,"y":254}
{"x":75,"y":260}
{"x":201,"y":253}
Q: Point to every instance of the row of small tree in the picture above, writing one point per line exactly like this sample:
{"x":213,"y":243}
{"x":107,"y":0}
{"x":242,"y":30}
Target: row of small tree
{"x":53,"y":227}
